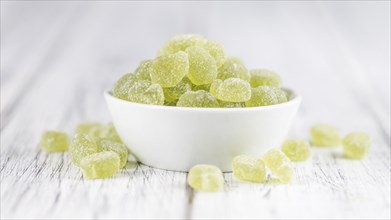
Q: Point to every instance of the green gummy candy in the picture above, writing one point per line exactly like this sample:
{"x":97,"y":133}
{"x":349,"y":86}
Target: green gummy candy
{"x":146,"y":92}
{"x":100,"y":165}
{"x":216,"y":51}
{"x":296,"y":149}
{"x":108,"y":132}
{"x":81,"y":146}
{"x":233,"y":68}
{"x":118,"y":148}
{"x":54,"y":141}
{"x":93,"y":129}
{"x":143,"y":71}
{"x":279,"y":164}
{"x":200,"y":98}
{"x":202,"y":66}
{"x":249,"y":168}
{"x":169,"y":70}
{"x":181,"y":43}
{"x":122,"y":86}
{"x":231,"y":90}
{"x":173,"y":93}
{"x":206,"y":178}
{"x":324,"y":135}
{"x":356,"y":145}
{"x":262,"y":77}
{"x":266,"y":95}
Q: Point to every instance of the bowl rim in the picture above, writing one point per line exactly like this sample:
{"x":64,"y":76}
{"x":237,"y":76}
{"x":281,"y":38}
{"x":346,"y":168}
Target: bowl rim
{"x":293,"y":99}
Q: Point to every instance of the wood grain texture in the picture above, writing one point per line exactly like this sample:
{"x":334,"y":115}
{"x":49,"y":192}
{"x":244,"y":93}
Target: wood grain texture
{"x":57,"y":58}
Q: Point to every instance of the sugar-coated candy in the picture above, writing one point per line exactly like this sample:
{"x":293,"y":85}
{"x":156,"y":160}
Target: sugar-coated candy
{"x":190,"y":62}
{"x":205,"y":178}
{"x":120,"y":149}
{"x":108,"y":132}
{"x":296,"y":149}
{"x":266,"y":95}
{"x":81,"y":146}
{"x":200,"y":99}
{"x":146,"y":92}
{"x":181,"y":43}
{"x":324,"y":135}
{"x":356,"y":145}
{"x":100,"y":165}
{"x":169,"y":70}
{"x":233,"y":68}
{"x":54,"y":141}
{"x":143,"y":71}
{"x":202,"y":66}
{"x":224,"y":104}
{"x":279,"y":165}
{"x":93,"y":129}
{"x":121,"y":87}
{"x":217,"y":51}
{"x":173,"y":93}
{"x":263,"y":77}
{"x":231,"y":90}
{"x":249,"y":168}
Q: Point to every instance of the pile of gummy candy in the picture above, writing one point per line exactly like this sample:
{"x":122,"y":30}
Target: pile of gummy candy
{"x":95,"y":148}
{"x":100,"y":153}
{"x":191,"y":71}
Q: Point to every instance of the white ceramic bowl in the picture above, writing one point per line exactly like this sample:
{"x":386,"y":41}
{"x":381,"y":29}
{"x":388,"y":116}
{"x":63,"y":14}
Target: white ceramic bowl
{"x":177,"y":138}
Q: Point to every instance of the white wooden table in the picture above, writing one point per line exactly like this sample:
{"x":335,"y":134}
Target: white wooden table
{"x":58,"y":57}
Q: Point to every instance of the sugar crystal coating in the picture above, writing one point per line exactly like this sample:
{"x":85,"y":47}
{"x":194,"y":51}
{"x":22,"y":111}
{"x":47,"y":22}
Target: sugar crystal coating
{"x":356,"y":145}
{"x":144,"y":70}
{"x":173,"y":93}
{"x":200,"y":98}
{"x":181,"y":43}
{"x":296,"y":149}
{"x":54,"y":141}
{"x":146,"y":92}
{"x":93,"y":129}
{"x":324,"y":135}
{"x":100,"y":165}
{"x":263,"y":77}
{"x":231,"y":90}
{"x":266,"y":95}
{"x":205,"y":178}
{"x":202,"y":66}
{"x":216,"y":51}
{"x":121,"y":87}
{"x":279,"y":165}
{"x":108,"y":132}
{"x":169,"y":70}
{"x":118,"y":148}
{"x":249,"y":168}
{"x":82,"y":145}
{"x":233,"y":68}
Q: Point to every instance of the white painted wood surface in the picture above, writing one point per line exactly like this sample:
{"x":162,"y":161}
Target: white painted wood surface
{"x":58,"y":57}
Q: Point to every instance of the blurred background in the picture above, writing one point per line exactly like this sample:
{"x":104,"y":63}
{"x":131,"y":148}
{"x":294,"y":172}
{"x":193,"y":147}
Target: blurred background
{"x":330,"y":52}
